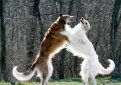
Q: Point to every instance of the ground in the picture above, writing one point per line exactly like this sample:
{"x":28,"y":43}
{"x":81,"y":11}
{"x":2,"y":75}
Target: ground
{"x":72,"y":81}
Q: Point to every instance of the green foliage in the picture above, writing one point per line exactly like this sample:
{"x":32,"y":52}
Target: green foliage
{"x":2,"y":81}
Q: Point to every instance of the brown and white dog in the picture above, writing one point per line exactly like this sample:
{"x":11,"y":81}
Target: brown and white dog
{"x":52,"y":43}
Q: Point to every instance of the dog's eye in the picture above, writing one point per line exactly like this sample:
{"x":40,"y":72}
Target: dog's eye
{"x":67,"y":16}
{"x":86,"y":23}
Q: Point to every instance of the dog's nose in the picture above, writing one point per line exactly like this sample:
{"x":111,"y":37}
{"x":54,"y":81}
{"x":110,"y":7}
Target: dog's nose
{"x":72,"y":18}
{"x":82,"y":19}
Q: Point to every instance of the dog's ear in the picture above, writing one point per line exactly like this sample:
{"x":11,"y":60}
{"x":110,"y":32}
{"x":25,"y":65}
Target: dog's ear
{"x":61,"y":15}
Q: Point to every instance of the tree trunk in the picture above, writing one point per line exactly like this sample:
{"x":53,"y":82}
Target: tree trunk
{"x":114,"y":37}
{"x":3,"y":44}
{"x":62,"y":66}
{"x":36,"y":13}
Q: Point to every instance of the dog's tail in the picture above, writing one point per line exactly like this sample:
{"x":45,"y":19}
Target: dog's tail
{"x":23,"y":76}
{"x":107,"y":70}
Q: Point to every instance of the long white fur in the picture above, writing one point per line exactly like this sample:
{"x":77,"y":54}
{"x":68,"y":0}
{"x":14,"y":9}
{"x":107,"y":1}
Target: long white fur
{"x":20,"y":76}
{"x":80,"y":45}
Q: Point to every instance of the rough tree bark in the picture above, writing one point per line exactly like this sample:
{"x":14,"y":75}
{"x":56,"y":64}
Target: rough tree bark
{"x":36,"y":13}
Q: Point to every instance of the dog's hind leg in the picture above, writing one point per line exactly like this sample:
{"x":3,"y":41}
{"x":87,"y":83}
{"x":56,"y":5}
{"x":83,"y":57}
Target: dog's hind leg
{"x":43,"y":69}
{"x":85,"y":77}
{"x":45,"y":74}
{"x":47,"y":70}
{"x":50,"y":70}
{"x":84,"y":72}
{"x":85,"y":80}
{"x":93,"y":80}
{"x":39,"y":75}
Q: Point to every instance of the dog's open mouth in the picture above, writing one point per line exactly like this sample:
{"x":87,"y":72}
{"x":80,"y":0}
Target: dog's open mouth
{"x":82,"y":20}
{"x":72,"y":18}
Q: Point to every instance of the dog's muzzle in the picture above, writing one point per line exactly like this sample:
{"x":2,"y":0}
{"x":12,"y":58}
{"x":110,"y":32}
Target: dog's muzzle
{"x":72,"y":18}
{"x":82,"y":20}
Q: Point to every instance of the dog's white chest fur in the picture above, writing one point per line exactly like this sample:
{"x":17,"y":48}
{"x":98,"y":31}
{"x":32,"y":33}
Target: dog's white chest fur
{"x":79,"y":44}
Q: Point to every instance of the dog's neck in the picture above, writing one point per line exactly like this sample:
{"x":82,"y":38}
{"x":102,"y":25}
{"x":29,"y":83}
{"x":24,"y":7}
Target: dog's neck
{"x":79,"y":29}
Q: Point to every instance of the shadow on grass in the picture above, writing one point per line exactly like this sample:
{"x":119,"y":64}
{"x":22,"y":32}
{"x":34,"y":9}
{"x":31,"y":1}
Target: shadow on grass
{"x":109,"y":80}
{"x":66,"y":80}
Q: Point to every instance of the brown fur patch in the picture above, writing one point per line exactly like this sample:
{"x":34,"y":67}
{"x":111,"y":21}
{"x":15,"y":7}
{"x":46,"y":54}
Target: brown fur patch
{"x":53,"y":39}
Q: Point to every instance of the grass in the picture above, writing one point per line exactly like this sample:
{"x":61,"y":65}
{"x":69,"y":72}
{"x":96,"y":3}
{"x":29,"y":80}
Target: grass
{"x":72,"y":81}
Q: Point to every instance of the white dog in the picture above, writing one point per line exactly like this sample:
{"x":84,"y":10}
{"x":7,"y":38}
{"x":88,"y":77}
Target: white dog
{"x":80,"y":45}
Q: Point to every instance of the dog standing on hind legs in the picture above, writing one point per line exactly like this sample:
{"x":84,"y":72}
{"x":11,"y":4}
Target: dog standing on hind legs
{"x":52,"y":43}
{"x":80,"y":46}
